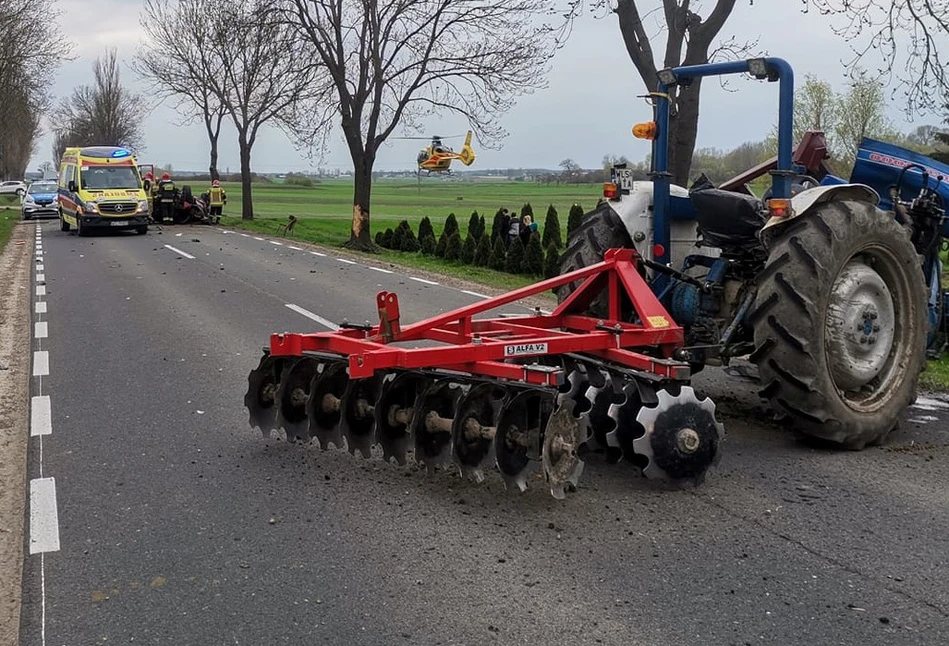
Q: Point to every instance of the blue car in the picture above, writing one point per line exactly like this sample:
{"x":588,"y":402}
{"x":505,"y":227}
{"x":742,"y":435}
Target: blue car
{"x":40,"y":200}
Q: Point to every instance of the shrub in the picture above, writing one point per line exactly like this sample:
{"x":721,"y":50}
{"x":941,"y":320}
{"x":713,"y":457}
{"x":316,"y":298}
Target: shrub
{"x":428,"y":245}
{"x":387,"y":238}
{"x":399,"y":234}
{"x":514,"y":264}
{"x":497,"y":258}
{"x":574,"y":219}
{"x":496,"y":227}
{"x":378,"y":238}
{"x":468,"y":251}
{"x":552,"y":229}
{"x":409,"y":242}
{"x":481,"y":227}
{"x":483,"y":252}
{"x":441,"y":246}
{"x":473,"y":231}
{"x":425,"y":228}
{"x":527,"y":209}
{"x":451,"y":225}
{"x":453,"y":250}
{"x":552,"y":262}
{"x":534,"y":256}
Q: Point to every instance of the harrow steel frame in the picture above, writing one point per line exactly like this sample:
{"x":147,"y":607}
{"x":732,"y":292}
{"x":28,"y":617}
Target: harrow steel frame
{"x":480,"y":346}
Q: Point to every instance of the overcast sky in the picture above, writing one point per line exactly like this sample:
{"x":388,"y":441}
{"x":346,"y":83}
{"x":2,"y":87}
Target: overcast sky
{"x":585,"y":112}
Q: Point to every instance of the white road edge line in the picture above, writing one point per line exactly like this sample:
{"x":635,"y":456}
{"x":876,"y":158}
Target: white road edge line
{"x":44,"y":519}
{"x":422,"y":280}
{"x":380,"y":269}
{"x":41,"y":290}
{"x":40,"y":307}
{"x":465,"y":291}
{"x":41,"y":278}
{"x":348,"y":262}
{"x":279,"y":244}
{"x":40,"y":330}
{"x":313,"y":317}
{"x":41,"y":417}
{"x":41,"y":363}
{"x":317,"y":253}
{"x":40,"y":268}
{"x":258,"y":238}
{"x":294,"y":248}
{"x":179,"y":251}
{"x":246,"y":235}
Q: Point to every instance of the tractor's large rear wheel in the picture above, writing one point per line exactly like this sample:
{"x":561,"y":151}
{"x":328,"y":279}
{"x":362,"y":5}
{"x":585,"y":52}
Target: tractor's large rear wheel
{"x":601,"y":230}
{"x":840,"y":323}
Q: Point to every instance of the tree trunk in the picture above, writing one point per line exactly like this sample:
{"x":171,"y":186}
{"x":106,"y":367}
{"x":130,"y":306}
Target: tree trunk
{"x":360,"y":237}
{"x":683,"y":130}
{"x":213,"y":167}
{"x":247,"y":202}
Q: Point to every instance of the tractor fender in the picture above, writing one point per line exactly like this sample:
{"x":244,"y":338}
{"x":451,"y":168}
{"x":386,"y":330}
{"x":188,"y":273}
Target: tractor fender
{"x":806,"y":200}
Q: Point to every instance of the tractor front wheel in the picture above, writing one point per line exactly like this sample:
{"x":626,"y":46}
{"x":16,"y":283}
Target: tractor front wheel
{"x":840,"y":323}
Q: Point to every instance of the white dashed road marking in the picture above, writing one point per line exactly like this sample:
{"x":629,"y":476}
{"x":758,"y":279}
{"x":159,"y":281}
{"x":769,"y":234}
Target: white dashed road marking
{"x":465,"y":291}
{"x":40,"y":307}
{"x":380,"y":269}
{"x":348,"y":262}
{"x":313,"y":317}
{"x":256,"y":238}
{"x":44,"y":519}
{"x":422,"y":280}
{"x":40,"y":268}
{"x":317,"y":253}
{"x":41,"y":417}
{"x":928,"y":403}
{"x":41,"y":290}
{"x":40,"y":330}
{"x":294,"y":248}
{"x":41,"y":278}
{"x":40,"y":363}
{"x":279,"y":244}
{"x":179,"y":251}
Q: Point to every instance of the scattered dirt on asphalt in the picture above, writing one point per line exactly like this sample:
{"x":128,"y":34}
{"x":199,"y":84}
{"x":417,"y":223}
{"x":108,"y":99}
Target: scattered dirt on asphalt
{"x":14,"y":396}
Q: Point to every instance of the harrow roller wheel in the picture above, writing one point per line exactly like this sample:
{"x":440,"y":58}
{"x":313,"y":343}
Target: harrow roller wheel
{"x":518,"y":437}
{"x":474,"y":428}
{"x":394,"y":412}
{"x":358,"y":423}
{"x":292,"y":395}
{"x":432,"y":421}
{"x":323,"y":406}
{"x":682,"y":438}
{"x":260,"y":398}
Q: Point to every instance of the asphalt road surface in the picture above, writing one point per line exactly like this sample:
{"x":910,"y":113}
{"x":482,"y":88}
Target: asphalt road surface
{"x":157,"y":516}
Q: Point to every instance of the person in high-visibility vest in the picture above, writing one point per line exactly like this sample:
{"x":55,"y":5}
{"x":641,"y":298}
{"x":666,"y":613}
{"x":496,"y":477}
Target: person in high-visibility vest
{"x":217,"y":200}
{"x":166,"y":197}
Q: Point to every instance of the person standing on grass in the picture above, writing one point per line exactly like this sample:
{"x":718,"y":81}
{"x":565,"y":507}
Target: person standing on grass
{"x":528,"y":227}
{"x":217,"y":198}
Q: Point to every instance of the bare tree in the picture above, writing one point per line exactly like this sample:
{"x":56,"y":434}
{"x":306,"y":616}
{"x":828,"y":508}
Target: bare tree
{"x":104,"y":113}
{"x":31,"y":48}
{"x":179,"y":60}
{"x":399,"y":62}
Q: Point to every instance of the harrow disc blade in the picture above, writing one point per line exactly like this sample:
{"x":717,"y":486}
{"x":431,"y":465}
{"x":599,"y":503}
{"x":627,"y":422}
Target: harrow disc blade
{"x":261,"y":395}
{"x":563,"y":435}
{"x":518,"y":437}
{"x":358,"y":422}
{"x":292,"y":395}
{"x":601,"y":424}
{"x":432,"y":421}
{"x":627,"y":428}
{"x":682,"y":438}
{"x":474,"y":429}
{"x":394,"y":413}
{"x":323,"y":407}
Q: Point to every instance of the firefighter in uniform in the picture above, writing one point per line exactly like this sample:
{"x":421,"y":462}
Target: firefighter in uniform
{"x":217,"y":200}
{"x":166,"y":196}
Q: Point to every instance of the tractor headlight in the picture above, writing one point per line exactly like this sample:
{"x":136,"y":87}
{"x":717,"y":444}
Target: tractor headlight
{"x":667,"y":76}
{"x":758,"y":68}
{"x":90,"y":207}
{"x":142,"y":206}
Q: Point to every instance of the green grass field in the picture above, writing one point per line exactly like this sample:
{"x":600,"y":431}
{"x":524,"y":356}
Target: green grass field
{"x":9,"y":216}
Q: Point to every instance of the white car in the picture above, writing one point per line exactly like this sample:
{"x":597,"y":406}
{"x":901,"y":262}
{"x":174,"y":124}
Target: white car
{"x":10,"y":188}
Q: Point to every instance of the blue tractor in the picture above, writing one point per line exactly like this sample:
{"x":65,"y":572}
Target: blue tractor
{"x":831,"y":287}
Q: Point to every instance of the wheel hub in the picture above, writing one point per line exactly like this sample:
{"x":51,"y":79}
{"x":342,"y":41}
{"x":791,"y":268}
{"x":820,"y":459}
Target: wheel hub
{"x":860,"y":326}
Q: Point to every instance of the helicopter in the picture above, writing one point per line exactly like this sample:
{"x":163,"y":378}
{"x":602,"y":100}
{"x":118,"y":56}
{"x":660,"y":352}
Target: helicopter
{"x":437,"y":157}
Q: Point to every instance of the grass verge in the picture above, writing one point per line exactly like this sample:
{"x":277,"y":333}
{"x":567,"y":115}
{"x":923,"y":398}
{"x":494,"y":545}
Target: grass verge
{"x":315,"y":232}
{"x":9,"y":216}
{"x":936,"y":375}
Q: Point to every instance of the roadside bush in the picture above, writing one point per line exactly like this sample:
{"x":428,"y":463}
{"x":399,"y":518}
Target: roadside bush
{"x":534,"y":256}
{"x":527,"y":209}
{"x":451,"y":225}
{"x":468,"y":251}
{"x":483,"y":252}
{"x":453,"y":250}
{"x":474,"y":230}
{"x":552,"y":262}
{"x":496,"y":228}
{"x":397,"y":235}
{"x":409,"y":241}
{"x":482,"y":229}
{"x":428,"y":245}
{"x":441,"y":246}
{"x":378,"y":239}
{"x":552,"y":229}
{"x":574,"y":219}
{"x":514,"y":263}
{"x":387,"y":238}
{"x":425,"y":228}
{"x":498,"y":256}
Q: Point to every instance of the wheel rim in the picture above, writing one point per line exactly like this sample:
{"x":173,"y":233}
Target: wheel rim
{"x":866,"y":343}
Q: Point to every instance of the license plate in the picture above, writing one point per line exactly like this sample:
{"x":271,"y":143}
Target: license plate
{"x":120,"y":223}
{"x":623,"y":178}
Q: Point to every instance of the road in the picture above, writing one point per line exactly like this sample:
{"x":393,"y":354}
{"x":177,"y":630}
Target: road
{"x":158,"y":517}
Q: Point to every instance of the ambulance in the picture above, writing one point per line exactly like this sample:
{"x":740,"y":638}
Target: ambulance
{"x":100,"y":188}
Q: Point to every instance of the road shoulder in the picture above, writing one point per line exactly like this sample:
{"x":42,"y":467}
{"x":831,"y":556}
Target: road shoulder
{"x":14,"y":393}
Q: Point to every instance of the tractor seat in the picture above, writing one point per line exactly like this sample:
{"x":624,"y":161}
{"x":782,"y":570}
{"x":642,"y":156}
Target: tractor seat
{"x":728,"y":220}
